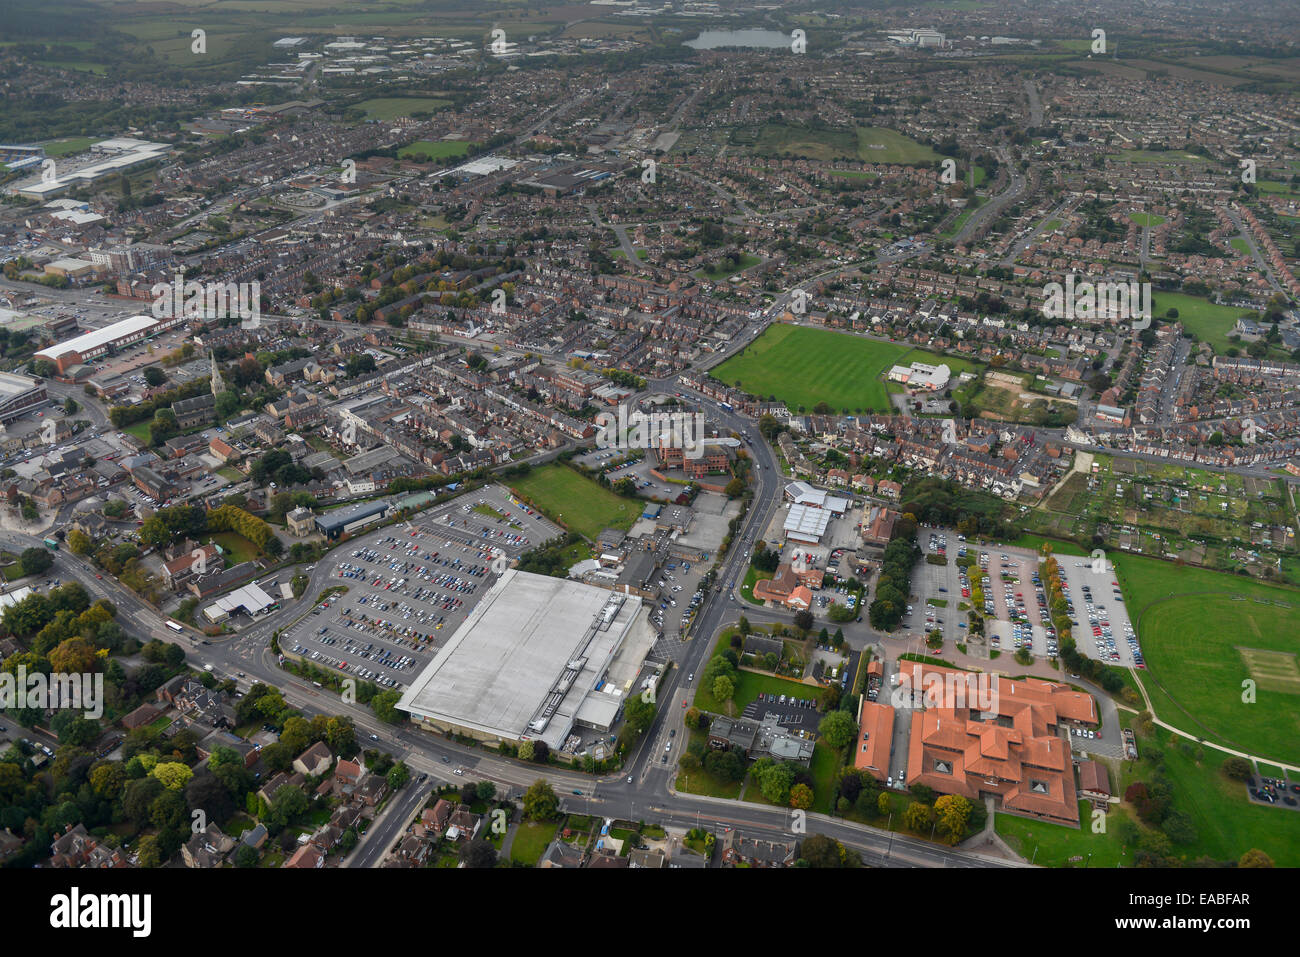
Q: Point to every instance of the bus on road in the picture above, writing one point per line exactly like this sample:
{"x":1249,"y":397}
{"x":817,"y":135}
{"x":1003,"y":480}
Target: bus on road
{"x":51,"y":543}
{"x":173,"y":626}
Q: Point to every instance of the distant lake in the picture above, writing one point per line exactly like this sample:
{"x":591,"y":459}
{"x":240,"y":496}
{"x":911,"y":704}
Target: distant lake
{"x":759,"y":39}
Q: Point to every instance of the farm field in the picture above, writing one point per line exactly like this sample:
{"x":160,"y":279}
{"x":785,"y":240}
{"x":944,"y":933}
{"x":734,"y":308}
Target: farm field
{"x":576,"y":501}
{"x":1175,"y":157}
{"x":1203,"y":645}
{"x":804,"y":366}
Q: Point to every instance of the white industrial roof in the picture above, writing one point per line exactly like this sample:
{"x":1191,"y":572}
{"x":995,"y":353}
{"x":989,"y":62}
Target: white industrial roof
{"x":804,"y":521}
{"x":251,"y":598}
{"x":99,"y":337}
{"x":496,"y":672}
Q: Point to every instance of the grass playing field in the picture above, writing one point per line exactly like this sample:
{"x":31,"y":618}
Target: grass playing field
{"x":576,"y":501}
{"x":435,"y":150}
{"x":1226,"y":823}
{"x":869,"y":144}
{"x":1203,"y":645}
{"x":803,"y":366}
{"x":1200,"y":317}
{"x":390,"y":108}
{"x":1146,"y":219}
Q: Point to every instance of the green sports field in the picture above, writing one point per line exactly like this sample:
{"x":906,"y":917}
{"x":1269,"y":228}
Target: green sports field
{"x":1202,"y":645}
{"x":576,"y":501}
{"x":1146,"y":219}
{"x":391,"y":107}
{"x":1206,"y":320}
{"x":440,"y":149}
{"x":870,"y":144}
{"x":803,"y":366}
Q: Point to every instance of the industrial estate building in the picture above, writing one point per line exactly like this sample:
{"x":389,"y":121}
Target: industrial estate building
{"x":99,"y":342}
{"x":19,"y":394}
{"x":119,"y":154}
{"x":537,"y":658}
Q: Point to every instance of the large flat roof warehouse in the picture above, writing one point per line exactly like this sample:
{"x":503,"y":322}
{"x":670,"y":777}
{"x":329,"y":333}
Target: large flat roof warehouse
{"x":529,"y":660}
{"x":483,"y":166}
{"x":88,"y":342}
{"x":806,"y":523}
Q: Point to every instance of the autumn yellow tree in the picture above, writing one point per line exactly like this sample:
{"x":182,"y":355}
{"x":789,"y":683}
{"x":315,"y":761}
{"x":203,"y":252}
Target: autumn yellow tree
{"x":172,"y":774}
{"x":953,"y":812}
{"x":801,"y":797}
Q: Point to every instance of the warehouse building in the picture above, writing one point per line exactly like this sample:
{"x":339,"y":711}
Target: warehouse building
{"x":99,"y":342}
{"x":352,"y":518}
{"x":537,"y":658}
{"x":20,"y":394}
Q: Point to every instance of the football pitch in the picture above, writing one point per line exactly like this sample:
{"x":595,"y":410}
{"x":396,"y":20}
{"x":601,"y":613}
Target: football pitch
{"x":1221,"y":654}
{"x":803,"y":366}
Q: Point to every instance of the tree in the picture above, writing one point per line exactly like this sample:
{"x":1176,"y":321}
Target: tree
{"x":173,"y":774}
{"x":918,"y":816}
{"x":383,"y":705}
{"x":106,"y":779}
{"x":801,"y":796}
{"x":818,"y":850}
{"x":34,"y":561}
{"x":398,"y":776}
{"x":478,"y":853}
{"x":727,"y":765}
{"x":1238,"y":769}
{"x":838,"y":729}
{"x":724,"y":689}
{"x":154,"y":376}
{"x":774,"y":779}
{"x":485,"y":791}
{"x":883,"y":804}
{"x":803,"y":620}
{"x":148,"y":852}
{"x":73,"y":656}
{"x":79,"y":542}
{"x":246,"y":856}
{"x":526,"y":750}
{"x":735,"y":488}
{"x":953,"y":812}
{"x":540,"y":802}
{"x":287,"y":805}
{"x":1255,"y":858}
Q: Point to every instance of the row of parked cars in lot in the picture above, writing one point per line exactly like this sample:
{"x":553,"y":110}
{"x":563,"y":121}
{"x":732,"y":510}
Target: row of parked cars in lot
{"x":342,"y":665}
{"x":390,"y":630}
{"x":1102,"y":633}
{"x":790,"y":700}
